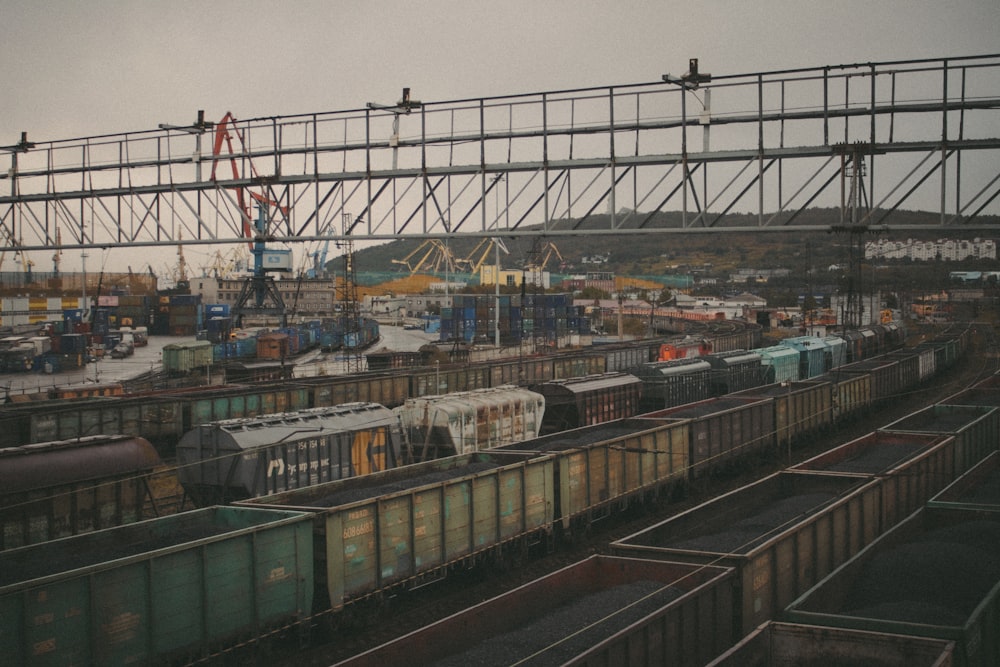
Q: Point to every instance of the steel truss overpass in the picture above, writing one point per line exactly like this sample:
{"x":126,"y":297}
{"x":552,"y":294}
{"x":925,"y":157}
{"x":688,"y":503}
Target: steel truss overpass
{"x":871,"y":139}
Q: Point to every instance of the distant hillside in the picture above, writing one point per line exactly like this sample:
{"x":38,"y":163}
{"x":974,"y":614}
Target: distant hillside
{"x":652,"y":254}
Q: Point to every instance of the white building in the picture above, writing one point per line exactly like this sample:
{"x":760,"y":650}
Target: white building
{"x":309,"y":297}
{"x":948,"y":250}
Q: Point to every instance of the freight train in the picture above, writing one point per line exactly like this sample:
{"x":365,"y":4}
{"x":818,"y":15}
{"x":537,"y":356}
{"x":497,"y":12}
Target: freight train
{"x":858,"y":573}
{"x":485,"y":418}
{"x":164,"y":416}
{"x":379,"y":532}
{"x":235,"y":459}
{"x":247,"y":442}
{"x":554,"y":484}
{"x":225,"y":346}
{"x":738,"y":561}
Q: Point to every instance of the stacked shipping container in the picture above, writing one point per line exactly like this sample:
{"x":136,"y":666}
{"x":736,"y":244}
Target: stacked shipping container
{"x":545,"y":318}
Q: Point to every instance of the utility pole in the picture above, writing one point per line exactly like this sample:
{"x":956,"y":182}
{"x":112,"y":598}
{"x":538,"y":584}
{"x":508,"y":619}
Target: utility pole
{"x":852,"y":198}
{"x":350,"y":313}
{"x":496,"y":320}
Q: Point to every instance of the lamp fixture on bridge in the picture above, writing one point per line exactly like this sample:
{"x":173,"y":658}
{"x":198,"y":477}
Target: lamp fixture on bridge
{"x":20,"y":147}
{"x":690,"y":79}
{"x":200,"y":126}
{"x":404,"y":105}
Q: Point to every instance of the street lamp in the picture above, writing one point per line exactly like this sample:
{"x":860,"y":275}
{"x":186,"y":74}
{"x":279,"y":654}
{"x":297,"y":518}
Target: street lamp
{"x":404,"y":106}
{"x":198,"y":128}
{"x":690,"y":81}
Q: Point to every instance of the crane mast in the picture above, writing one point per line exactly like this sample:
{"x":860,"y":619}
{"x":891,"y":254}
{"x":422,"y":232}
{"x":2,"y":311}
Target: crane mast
{"x":259,"y":295}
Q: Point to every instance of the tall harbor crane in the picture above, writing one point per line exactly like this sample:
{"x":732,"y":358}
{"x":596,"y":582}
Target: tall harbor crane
{"x":435,"y":255}
{"x":259,"y":295}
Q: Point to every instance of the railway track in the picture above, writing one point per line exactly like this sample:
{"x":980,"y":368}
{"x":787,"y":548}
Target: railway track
{"x":371,"y":623}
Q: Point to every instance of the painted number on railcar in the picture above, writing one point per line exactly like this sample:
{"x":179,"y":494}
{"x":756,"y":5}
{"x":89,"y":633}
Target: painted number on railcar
{"x":358,"y":529}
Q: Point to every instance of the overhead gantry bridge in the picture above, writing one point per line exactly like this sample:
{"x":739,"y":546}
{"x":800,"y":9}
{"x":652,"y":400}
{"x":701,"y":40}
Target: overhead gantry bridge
{"x":681,"y":154}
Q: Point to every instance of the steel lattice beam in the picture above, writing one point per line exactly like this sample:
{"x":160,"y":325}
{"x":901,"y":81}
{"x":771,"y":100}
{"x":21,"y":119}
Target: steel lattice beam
{"x":577,"y":162}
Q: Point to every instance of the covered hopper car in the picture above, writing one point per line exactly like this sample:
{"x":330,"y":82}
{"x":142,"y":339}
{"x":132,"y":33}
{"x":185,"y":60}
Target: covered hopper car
{"x":588,"y":400}
{"x":470,"y":421}
{"x":242,"y":458}
{"x":669,"y":383}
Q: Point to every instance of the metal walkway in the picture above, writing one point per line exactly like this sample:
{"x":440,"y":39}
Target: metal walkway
{"x":682,"y":154}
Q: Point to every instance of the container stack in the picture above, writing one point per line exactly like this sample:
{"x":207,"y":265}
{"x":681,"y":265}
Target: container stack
{"x":19,"y":311}
{"x":184,"y":313}
{"x":134,"y":311}
{"x":550,"y":319}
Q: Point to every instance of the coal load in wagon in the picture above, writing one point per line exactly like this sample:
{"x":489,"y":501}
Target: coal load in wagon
{"x":937,"y":579}
{"x":364,"y":493}
{"x":745,"y":534}
{"x":987,"y":493}
{"x":105,"y":546}
{"x":582,"y":437}
{"x":599,"y":611}
{"x":936,"y":574}
{"x":876,"y":458}
{"x":779,"y":644}
{"x":707,"y":408}
{"x":569,"y":630}
{"x":978,"y":488}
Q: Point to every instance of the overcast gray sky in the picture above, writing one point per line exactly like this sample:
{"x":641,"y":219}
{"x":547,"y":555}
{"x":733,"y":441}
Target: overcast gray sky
{"x":81,"y":68}
{"x":73,"y":69}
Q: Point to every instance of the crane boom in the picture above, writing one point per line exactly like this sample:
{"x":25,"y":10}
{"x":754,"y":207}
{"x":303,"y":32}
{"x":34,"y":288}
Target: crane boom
{"x":225,"y":129}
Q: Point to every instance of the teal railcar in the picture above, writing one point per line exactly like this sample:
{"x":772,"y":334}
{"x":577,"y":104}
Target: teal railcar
{"x":164,"y":590}
{"x":407,"y":525}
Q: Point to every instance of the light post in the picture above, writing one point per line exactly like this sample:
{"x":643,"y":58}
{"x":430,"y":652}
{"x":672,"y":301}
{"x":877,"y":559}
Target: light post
{"x":690,"y":81}
{"x":496,"y":318}
{"x":198,"y":128}
{"x":404,"y":106}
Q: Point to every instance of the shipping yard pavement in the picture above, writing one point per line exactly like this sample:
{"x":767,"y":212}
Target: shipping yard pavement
{"x":149,"y":359}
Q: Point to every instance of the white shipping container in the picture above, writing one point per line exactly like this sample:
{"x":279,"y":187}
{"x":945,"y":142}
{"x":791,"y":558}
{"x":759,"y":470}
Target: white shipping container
{"x":42,"y":344}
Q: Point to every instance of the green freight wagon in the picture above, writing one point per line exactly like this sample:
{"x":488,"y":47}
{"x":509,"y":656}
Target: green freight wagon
{"x":187,"y":356}
{"x":169,"y":589}
{"x":607,"y":466}
{"x":408,"y":525}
